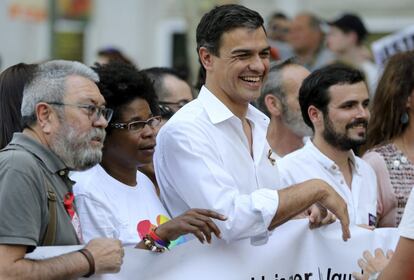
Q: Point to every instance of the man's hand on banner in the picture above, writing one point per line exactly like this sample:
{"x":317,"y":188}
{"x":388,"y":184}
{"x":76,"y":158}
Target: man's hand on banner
{"x":334,"y":203}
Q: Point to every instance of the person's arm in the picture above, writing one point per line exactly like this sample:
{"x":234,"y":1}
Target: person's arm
{"x":191,"y":174}
{"x":386,"y":200}
{"x":401,"y":264}
{"x":297,"y":198}
{"x":391,"y":266}
{"x":195,"y":221}
{"x":107,"y":255}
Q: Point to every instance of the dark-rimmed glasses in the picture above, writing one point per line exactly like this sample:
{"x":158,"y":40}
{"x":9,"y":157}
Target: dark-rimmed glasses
{"x":94,"y":112}
{"x":178,"y":104}
{"x":137,"y":126}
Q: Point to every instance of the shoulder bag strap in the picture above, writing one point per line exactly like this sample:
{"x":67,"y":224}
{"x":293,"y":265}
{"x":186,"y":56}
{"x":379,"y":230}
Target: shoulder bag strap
{"x":50,"y":234}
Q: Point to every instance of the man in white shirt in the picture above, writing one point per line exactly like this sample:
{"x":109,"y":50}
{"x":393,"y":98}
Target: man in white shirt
{"x":279,"y":100}
{"x":334,"y":103}
{"x":213,"y":152}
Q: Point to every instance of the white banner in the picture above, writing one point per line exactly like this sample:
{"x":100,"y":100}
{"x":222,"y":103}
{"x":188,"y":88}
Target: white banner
{"x":293,"y":252}
{"x":392,"y":44}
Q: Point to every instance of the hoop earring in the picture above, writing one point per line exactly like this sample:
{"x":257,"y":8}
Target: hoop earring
{"x":404,"y":118}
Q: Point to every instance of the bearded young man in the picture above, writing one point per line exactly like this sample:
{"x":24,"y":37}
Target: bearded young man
{"x":334,"y":103}
{"x":64,"y":119}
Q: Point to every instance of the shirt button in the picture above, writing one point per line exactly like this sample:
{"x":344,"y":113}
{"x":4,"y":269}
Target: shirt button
{"x":342,"y":182}
{"x":62,"y":172}
{"x":396,"y":163}
{"x":333,"y":167}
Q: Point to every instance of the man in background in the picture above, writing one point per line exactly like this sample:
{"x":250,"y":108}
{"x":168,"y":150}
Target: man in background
{"x":172,"y":90}
{"x":308,"y":41}
{"x":346,"y":39}
{"x":279,"y":100}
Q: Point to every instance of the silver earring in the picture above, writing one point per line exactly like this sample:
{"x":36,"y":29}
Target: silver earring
{"x":404,"y":118}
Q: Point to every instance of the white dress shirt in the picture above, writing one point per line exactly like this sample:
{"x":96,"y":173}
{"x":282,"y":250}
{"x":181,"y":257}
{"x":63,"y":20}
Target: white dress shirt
{"x":203,"y":160}
{"x":310,"y":163}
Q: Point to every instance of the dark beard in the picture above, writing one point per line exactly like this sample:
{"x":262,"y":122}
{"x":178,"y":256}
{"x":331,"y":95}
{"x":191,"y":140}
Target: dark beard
{"x":342,"y":141}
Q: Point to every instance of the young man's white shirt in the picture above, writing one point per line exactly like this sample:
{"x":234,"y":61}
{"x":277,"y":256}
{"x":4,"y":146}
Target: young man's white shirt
{"x":203,"y":160}
{"x":310,"y":163}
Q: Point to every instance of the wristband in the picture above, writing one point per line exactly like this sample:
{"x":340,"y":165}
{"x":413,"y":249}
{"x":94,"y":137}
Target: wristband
{"x":151,"y":245}
{"x":91,"y":261}
{"x":158,"y":240}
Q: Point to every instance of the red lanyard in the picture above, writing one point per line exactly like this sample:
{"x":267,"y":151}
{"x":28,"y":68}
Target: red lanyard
{"x":68,"y":202}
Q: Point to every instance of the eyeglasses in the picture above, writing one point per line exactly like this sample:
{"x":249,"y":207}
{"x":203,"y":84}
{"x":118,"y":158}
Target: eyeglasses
{"x":137,"y":125}
{"x":94,"y":112}
{"x":179,"y":104}
{"x":165,"y":111}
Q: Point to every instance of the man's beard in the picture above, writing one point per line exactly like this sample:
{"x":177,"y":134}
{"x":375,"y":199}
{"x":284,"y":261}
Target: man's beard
{"x":75,"y":149}
{"x":339,"y":140}
{"x":295,"y":123}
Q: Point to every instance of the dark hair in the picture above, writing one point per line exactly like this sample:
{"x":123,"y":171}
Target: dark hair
{"x":222,"y":19}
{"x":389,"y":104}
{"x":122,"y":83}
{"x":12,"y":82}
{"x":201,"y":78}
{"x":278,"y":15}
{"x":315,"y":88}
{"x":351,"y":23}
{"x":157,"y":75}
{"x":114,"y":54}
{"x":274,"y":83}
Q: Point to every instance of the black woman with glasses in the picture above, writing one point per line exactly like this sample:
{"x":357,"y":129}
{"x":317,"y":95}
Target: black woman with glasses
{"x":113,"y":198}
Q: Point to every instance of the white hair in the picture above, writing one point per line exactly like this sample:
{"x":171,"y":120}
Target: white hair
{"x":48,"y":85}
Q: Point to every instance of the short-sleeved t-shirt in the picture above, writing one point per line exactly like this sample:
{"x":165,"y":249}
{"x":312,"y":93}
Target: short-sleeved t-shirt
{"x":25,"y":165}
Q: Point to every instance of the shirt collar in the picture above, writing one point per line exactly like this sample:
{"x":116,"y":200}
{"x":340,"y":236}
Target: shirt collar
{"x":52,"y":162}
{"x":218,"y":112}
{"x":326,"y":162}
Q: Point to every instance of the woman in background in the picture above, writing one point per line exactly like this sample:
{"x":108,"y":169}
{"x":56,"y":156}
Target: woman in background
{"x":390,"y":140}
{"x":12,"y":82}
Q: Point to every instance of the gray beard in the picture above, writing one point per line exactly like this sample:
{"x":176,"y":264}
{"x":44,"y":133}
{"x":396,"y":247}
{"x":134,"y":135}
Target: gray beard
{"x":74,"y":149}
{"x":296,"y":124}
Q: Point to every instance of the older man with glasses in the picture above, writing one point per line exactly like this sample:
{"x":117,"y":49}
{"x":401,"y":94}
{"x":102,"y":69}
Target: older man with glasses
{"x":64,"y":119}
